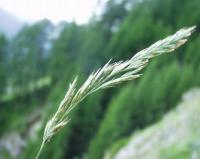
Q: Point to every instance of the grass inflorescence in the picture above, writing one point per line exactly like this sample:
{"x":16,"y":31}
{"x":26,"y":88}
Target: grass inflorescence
{"x":110,"y":75}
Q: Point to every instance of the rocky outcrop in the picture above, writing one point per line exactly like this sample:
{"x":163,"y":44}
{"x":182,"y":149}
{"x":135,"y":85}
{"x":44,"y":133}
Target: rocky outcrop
{"x":176,"y":136}
{"x":12,"y":143}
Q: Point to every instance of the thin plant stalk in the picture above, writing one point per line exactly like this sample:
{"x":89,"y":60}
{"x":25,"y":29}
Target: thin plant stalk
{"x":40,"y":150}
{"x":110,"y":75}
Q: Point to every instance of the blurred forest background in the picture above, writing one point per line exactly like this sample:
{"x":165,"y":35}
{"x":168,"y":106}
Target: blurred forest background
{"x":37,"y":64}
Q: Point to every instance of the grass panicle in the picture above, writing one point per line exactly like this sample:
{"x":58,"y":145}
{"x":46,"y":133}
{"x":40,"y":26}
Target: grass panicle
{"x":110,"y":75}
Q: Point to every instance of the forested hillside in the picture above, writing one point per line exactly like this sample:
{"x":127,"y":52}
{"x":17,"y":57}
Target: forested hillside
{"x":37,"y":65}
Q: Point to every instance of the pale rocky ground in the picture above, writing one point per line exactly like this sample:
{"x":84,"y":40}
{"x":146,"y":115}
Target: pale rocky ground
{"x":13,"y":143}
{"x":177,"y":133}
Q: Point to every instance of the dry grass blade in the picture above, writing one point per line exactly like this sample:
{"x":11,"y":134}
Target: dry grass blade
{"x":108,"y":76}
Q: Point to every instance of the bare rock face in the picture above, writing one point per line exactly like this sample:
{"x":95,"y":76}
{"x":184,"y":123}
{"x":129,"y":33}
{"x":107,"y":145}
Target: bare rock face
{"x":176,"y":136}
{"x":12,"y":143}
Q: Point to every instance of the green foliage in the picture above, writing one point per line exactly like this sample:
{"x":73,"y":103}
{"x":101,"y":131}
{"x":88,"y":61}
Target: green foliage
{"x":65,"y":50}
{"x":29,"y":51}
{"x":177,"y":152}
{"x":116,"y":147}
{"x":3,"y":62}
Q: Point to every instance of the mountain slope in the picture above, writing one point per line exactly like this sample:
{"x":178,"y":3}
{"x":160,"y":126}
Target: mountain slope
{"x":9,"y":24}
{"x":176,"y":136}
